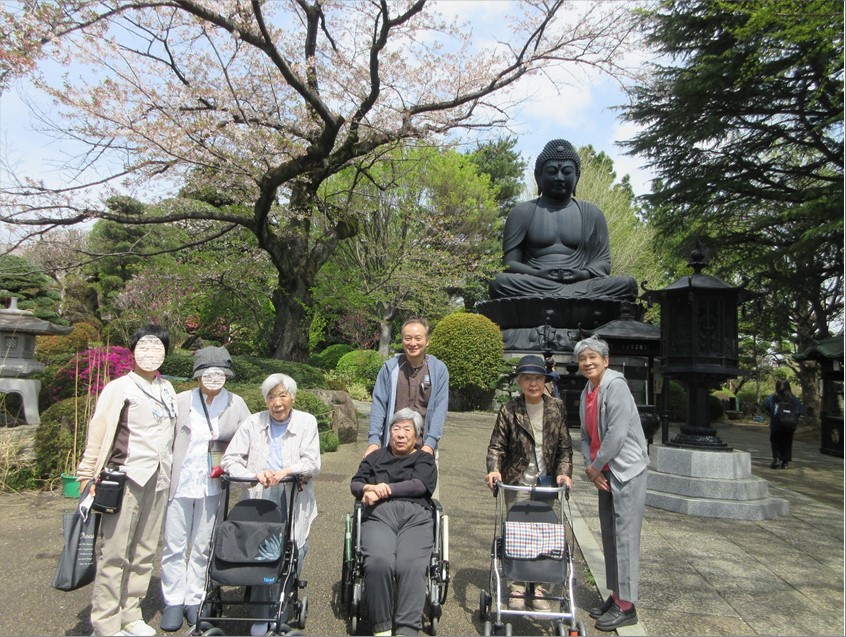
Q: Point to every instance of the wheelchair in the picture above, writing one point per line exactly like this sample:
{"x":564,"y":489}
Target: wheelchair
{"x":352,"y":576}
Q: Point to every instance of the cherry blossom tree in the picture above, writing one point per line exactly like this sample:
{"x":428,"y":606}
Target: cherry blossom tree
{"x":269,"y":100}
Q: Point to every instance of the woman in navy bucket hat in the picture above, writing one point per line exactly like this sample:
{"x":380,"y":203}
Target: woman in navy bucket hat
{"x":530,"y":440}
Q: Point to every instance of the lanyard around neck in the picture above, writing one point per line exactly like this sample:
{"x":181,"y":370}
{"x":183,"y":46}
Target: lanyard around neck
{"x":159,"y":400}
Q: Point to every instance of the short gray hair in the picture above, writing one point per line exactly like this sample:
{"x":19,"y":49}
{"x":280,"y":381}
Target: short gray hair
{"x":274,"y":380}
{"x":408,"y":414}
{"x":593,"y":343}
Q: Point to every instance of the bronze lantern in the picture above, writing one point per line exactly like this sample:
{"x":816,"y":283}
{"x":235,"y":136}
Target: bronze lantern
{"x":699,"y":344}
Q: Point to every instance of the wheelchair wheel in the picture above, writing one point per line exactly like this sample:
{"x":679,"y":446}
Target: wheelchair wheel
{"x":433,"y":628}
{"x":346,"y":562}
{"x":487,"y":629}
{"x":214,"y":631}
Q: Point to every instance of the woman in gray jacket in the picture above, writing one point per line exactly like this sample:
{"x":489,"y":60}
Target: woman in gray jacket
{"x":615,"y":456}
{"x":207,"y":418}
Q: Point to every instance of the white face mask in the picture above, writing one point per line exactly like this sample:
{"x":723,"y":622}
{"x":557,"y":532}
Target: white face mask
{"x":213,"y":378}
{"x":149,"y":353}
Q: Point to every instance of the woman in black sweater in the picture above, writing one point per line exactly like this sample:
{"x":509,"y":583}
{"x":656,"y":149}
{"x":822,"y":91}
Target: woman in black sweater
{"x":395,"y":483}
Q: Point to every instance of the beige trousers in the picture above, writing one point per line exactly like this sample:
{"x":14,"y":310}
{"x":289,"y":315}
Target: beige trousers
{"x":127,"y":549}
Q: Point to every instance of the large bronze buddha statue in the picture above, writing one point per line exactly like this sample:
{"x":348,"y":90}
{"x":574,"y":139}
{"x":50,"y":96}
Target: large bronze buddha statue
{"x":557,"y":261}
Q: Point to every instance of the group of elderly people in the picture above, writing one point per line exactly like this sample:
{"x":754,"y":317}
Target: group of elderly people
{"x":171,"y":447}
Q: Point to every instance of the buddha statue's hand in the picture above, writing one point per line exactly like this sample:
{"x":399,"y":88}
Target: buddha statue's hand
{"x":565,"y":275}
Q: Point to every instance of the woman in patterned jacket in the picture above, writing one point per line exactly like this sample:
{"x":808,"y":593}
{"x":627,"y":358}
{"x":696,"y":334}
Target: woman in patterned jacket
{"x":529,"y":440}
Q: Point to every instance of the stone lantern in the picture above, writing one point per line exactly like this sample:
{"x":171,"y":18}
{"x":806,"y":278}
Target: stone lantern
{"x":18,"y":329}
{"x":699,"y":344}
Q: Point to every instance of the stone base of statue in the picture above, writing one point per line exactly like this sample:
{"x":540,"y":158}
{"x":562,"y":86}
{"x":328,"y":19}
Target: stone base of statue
{"x":532,"y":323}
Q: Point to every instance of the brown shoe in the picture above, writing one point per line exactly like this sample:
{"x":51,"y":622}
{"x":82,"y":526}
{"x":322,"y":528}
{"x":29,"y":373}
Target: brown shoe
{"x":541,"y":605}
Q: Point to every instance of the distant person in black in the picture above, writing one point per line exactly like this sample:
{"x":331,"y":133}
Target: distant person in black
{"x":781,"y":433}
{"x":395,"y":483}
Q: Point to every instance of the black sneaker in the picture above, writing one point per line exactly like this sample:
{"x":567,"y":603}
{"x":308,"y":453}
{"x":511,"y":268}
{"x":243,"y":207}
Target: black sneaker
{"x":774,"y":464}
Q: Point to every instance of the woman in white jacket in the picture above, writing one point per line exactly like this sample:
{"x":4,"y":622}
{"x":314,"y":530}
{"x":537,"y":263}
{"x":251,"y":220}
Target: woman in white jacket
{"x":270,"y":446}
{"x":207,"y":418}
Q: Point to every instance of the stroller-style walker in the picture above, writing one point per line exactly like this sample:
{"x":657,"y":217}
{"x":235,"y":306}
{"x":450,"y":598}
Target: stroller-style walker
{"x":530,"y":545}
{"x":253,"y":545}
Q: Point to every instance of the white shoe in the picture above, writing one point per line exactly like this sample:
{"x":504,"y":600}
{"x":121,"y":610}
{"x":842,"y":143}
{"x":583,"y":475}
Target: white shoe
{"x":138,"y":628}
{"x":262,"y":628}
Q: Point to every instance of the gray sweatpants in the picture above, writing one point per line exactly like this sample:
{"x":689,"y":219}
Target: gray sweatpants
{"x":396,"y":540}
{"x":620,"y":521}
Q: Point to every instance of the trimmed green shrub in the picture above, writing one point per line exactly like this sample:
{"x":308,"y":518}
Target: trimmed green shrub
{"x":344,"y":382}
{"x":305,"y":401}
{"x":248,"y":369}
{"x":178,"y":363}
{"x":748,"y":402}
{"x":470,"y":345}
{"x":362,"y":365}
{"x":715,"y":409}
{"x":255,"y":369}
{"x":329,"y":441}
{"x":329,"y":357}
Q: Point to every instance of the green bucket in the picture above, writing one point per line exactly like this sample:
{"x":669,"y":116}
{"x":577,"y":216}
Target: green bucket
{"x":70,"y":486}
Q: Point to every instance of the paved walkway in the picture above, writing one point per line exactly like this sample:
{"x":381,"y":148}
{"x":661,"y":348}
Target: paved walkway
{"x":706,"y":576}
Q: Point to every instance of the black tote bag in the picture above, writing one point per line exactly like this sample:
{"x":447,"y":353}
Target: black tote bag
{"x":78,"y":562}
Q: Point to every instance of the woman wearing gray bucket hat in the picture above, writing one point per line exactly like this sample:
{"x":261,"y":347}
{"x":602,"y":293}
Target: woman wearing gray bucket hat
{"x":529,"y":441}
{"x":207,"y":418}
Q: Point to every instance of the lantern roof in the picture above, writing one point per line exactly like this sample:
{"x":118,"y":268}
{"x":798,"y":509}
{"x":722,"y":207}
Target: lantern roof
{"x":25,"y":322}
{"x":698,"y":260}
{"x":625,"y":328}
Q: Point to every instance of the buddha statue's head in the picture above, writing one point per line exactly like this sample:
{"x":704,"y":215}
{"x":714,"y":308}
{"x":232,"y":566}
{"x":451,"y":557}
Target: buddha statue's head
{"x":557,"y":150}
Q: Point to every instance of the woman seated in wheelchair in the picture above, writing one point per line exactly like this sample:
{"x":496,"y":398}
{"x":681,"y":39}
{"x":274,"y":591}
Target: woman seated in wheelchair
{"x":395,"y":484}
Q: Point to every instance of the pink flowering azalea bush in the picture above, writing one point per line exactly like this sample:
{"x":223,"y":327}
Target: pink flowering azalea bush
{"x":90,"y":370}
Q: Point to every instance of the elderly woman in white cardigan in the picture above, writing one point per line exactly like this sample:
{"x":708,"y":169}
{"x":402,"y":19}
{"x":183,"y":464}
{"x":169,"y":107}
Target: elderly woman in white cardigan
{"x":270,"y":446}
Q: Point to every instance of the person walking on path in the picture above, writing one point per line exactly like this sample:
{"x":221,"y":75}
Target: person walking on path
{"x":615,"y":456}
{"x":207,"y":418}
{"x":143,"y":449}
{"x":530,"y":441}
{"x":784,"y":409}
{"x":413,"y":379}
